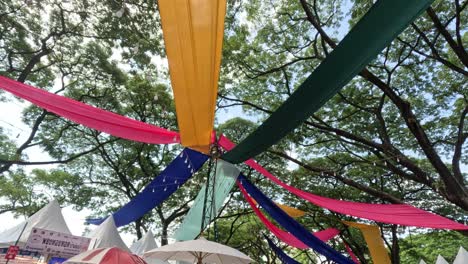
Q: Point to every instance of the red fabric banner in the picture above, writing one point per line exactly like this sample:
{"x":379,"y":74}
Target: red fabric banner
{"x":90,"y":116}
{"x":282,"y":235}
{"x":400,"y":214}
{"x":351,"y":254}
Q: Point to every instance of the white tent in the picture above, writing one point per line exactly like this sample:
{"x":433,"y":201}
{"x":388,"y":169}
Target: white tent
{"x":422,"y":262}
{"x":106,"y":235}
{"x":441,"y":260}
{"x":49,"y":217}
{"x":462,"y":256}
{"x":146,"y":243}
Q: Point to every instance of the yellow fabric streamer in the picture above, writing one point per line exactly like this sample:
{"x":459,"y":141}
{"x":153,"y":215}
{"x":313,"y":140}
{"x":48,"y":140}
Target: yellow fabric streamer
{"x":374,"y":242}
{"x":291,"y":211}
{"x":193,"y":34}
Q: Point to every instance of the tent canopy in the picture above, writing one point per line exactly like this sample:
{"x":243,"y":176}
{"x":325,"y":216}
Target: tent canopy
{"x":462,"y":256}
{"x":146,"y":243}
{"x":106,"y":235}
{"x":49,"y":218}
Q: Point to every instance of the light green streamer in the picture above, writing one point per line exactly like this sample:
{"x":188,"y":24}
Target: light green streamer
{"x":226,"y":175}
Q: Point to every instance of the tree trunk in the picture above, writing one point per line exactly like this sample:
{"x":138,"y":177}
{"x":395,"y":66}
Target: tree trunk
{"x":395,"y":254}
{"x":138,"y":227}
{"x":164,"y":234}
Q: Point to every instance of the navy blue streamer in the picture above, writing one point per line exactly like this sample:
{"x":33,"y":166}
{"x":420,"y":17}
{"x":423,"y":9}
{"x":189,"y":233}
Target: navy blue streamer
{"x":159,"y":189}
{"x":291,"y":225}
{"x":280,"y":253}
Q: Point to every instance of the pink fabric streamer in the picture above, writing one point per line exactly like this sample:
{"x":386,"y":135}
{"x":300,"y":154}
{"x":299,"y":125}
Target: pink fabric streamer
{"x":351,"y":253}
{"x":284,"y":236}
{"x":401,"y":214}
{"x":90,"y":116}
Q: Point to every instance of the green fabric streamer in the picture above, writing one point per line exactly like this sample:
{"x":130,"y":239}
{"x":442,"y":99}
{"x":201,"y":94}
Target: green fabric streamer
{"x":382,"y":23}
{"x":226,"y":175}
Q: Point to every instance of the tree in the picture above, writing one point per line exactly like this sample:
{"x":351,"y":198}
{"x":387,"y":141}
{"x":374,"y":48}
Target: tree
{"x":416,"y":126}
{"x":428,"y":246}
{"x":100,"y":53}
{"x":396,"y":133}
{"x":72,"y":43}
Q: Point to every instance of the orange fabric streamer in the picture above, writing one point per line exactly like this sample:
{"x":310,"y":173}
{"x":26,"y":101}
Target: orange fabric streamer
{"x":291,"y":211}
{"x":374,"y":242}
{"x":193,"y":34}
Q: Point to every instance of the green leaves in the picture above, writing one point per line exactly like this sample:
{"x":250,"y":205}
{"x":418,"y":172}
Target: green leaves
{"x":427,"y":246}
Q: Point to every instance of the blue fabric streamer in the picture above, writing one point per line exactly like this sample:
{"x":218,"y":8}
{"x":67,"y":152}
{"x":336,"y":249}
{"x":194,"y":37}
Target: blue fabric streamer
{"x":159,"y":189}
{"x":280,"y":253}
{"x":291,"y":225}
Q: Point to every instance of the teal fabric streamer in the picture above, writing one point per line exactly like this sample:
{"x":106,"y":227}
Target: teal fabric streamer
{"x":382,"y":23}
{"x":226,"y":175}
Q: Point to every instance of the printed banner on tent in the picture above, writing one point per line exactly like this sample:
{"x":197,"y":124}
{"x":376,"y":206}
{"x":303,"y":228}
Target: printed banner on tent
{"x":56,"y":243}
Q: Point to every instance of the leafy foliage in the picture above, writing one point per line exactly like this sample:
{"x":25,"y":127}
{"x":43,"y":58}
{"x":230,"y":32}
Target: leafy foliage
{"x":427,"y":246}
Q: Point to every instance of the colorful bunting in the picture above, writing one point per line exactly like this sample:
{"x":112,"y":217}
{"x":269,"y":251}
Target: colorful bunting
{"x":193,"y":36}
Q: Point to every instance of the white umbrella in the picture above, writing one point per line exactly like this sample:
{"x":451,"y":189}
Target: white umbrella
{"x":199,"y":251}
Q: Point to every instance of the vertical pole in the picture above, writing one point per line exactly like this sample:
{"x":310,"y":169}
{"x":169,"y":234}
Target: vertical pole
{"x":208,"y":203}
{"x":213,"y":196}
{"x":210,"y":165}
{"x":19,"y":237}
